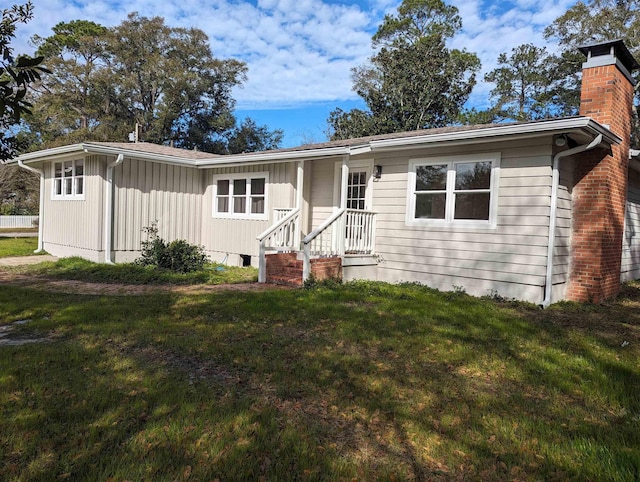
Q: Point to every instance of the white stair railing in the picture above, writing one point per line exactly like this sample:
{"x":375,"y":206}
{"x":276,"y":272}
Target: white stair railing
{"x":360,"y":231}
{"x":346,"y":231}
{"x":284,"y":235}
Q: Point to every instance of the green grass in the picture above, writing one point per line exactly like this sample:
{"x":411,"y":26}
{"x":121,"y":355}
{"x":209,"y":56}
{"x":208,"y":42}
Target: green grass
{"x":365,"y":381}
{"x":129,"y":273}
{"x":17,"y":246}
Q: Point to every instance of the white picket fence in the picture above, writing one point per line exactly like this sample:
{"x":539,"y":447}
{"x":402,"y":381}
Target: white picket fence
{"x":18,"y":221}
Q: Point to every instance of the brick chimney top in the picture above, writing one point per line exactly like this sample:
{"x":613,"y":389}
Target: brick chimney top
{"x":613,"y":52}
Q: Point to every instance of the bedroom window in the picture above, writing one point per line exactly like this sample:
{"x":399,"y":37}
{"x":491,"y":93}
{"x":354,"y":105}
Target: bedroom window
{"x":456,"y":191}
{"x":240,"y":196}
{"x":68,"y":179}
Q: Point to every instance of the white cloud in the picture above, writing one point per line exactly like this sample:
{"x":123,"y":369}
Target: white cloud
{"x":301,"y":51}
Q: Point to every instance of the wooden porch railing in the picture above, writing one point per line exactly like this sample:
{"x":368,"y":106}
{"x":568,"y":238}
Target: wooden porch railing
{"x":279,"y":213}
{"x":284,"y":235}
{"x":348,"y":231}
{"x":360,"y":232}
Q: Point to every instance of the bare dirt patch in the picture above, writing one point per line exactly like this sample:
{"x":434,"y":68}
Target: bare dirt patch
{"x":9,"y":338}
{"x":87,"y":288}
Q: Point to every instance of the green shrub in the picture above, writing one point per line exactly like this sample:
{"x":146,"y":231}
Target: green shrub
{"x":177,"y":256}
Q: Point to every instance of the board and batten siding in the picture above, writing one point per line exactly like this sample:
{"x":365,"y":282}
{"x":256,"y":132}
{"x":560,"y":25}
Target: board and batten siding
{"x":321,"y":205}
{"x":74,"y":227}
{"x":147,"y":192}
{"x":226,"y":238}
{"x":630,"y":266}
{"x":509,"y":260}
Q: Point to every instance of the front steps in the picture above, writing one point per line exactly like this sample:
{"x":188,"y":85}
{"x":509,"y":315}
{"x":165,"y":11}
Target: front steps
{"x":286,"y":268}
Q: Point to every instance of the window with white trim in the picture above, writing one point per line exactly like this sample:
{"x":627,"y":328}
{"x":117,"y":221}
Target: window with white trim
{"x":454,"y":190}
{"x":68,"y":179}
{"x":241,"y":195}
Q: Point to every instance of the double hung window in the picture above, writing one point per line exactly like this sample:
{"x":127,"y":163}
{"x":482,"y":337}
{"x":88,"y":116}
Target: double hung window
{"x":240,"y":195}
{"x":457,"y":190}
{"x":68,"y":179}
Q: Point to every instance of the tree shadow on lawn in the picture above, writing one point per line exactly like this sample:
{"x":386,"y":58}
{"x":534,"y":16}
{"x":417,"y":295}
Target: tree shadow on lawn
{"x":370,"y":381}
{"x":450,"y":390}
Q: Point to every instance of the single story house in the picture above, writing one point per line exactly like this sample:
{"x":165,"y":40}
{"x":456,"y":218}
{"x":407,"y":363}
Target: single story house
{"x":540,"y":211}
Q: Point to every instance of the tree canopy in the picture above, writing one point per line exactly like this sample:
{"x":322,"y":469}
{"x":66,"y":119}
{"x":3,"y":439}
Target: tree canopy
{"x":522,"y":89}
{"x":140,"y":72}
{"x":414,"y":81}
{"x":588,"y":22}
{"x":17,"y":74}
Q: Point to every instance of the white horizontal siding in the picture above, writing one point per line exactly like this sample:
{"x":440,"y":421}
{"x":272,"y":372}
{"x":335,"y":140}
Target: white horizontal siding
{"x":562,"y":244}
{"x":511,"y":255}
{"x":630,"y":266}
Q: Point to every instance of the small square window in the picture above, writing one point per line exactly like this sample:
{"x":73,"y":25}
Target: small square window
{"x":68,"y":180}
{"x":241,"y":196}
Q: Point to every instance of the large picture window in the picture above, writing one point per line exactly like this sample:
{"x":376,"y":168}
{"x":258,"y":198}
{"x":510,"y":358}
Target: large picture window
{"x":240,"y":195}
{"x":456,"y":190}
{"x":68,"y":179}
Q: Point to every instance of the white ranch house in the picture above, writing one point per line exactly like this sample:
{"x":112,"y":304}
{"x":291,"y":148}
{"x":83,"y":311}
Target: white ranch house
{"x":498,"y":208}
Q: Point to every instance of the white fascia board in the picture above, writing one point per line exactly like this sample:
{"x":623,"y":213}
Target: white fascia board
{"x":268,"y":157}
{"x":88,"y":148}
{"x":356,"y":150}
{"x":534,"y":129}
{"x":135,"y":154}
{"x":48,"y":153}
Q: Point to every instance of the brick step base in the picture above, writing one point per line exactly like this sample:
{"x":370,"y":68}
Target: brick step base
{"x":286,"y":269}
{"x":285,"y":281}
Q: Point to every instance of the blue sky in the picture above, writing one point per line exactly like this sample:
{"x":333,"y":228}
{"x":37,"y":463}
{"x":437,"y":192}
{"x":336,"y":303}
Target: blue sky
{"x":300,"y":52}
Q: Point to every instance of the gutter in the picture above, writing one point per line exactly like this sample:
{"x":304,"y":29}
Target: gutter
{"x":488,"y":134}
{"x":108,"y":209}
{"x":40,"y":172}
{"x":276,"y":156}
{"x":146,"y":156}
{"x":555,"y":181}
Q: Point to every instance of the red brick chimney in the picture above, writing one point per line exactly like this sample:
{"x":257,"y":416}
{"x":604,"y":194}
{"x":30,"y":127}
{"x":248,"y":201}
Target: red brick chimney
{"x":600,"y":189}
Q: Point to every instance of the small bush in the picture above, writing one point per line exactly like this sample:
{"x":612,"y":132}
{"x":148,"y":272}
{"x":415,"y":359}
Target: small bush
{"x":177,"y":256}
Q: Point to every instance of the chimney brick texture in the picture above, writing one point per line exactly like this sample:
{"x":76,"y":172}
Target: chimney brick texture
{"x":600,"y":191}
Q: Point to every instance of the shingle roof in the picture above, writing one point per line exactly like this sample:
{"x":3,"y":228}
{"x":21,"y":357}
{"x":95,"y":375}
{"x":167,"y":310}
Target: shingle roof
{"x":157,"y":149}
{"x":356,"y":141}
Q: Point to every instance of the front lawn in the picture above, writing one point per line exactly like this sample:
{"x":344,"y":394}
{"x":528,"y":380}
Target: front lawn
{"x":365,"y":381}
{"x":10,"y":247}
{"x":130,"y":273}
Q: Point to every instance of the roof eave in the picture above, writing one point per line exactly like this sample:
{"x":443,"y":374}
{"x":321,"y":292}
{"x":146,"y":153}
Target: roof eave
{"x":518,"y":131}
{"x":47,"y":153}
{"x":89,"y":148}
{"x":269,"y":157}
{"x":585,"y":125}
{"x":132,"y":153}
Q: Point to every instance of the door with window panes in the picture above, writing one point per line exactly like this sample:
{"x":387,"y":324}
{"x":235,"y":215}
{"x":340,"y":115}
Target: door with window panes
{"x":357,"y":189}
{"x":357,"y":185}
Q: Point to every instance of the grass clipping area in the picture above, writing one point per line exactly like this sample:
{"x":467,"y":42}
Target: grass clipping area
{"x":363,"y":381}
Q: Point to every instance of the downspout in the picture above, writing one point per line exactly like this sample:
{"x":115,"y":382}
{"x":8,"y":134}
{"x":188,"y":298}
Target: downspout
{"x":40,"y":172}
{"x":108,"y":209}
{"x":555,"y":182}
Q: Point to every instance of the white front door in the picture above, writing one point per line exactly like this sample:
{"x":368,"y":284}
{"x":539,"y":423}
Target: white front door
{"x":358,"y":194}
{"x":357,"y":189}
